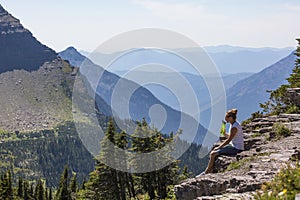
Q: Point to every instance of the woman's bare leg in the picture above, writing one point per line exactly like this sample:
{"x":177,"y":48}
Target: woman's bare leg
{"x":211,"y":162}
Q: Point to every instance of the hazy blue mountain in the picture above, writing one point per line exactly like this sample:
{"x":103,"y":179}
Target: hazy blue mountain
{"x":231,"y":49}
{"x":248,"y":93}
{"x":140,"y":101}
{"x":228,"y":79}
{"x":181,"y":99}
{"x":247,"y":61}
{"x":197,"y":83}
{"x":19,"y":49}
{"x":231,"y":79}
{"x":71,"y":52}
{"x":228,"y":59}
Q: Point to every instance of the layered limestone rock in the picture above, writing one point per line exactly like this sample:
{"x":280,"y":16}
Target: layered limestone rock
{"x":240,"y":176}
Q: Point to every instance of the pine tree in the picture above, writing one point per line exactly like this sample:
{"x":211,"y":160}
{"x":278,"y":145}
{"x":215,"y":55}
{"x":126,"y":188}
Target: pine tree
{"x":185,"y":174}
{"x":31,"y":191}
{"x":46,"y":194}
{"x":107,"y":183}
{"x":63,"y":192}
{"x":39,"y":190}
{"x":26,"y":190}
{"x":73,"y":183}
{"x":157,"y":181}
{"x":6,"y":186}
{"x":294,"y":79}
{"x":142,"y":142}
{"x":20,"y":187}
{"x":50,"y":194}
{"x":125,"y":179}
{"x":103,"y":183}
{"x":169,"y":175}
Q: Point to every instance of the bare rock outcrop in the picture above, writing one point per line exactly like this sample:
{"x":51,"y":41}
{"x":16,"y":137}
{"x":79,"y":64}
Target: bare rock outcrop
{"x":240,"y":176}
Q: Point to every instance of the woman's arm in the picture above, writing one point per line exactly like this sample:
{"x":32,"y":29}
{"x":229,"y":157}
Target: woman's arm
{"x":226,"y":135}
{"x":231,"y":135}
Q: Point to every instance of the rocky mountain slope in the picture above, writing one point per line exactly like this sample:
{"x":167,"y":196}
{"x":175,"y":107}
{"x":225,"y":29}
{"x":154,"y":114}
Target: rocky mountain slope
{"x":36,"y":100}
{"x":239,"y":177}
{"x":35,"y":84}
{"x":19,"y":49}
{"x":248,"y":93}
{"x":37,"y":134}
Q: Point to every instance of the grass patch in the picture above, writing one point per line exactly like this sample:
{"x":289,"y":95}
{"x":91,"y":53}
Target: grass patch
{"x":281,"y":130}
{"x":67,"y":67}
{"x":256,"y":135}
{"x":265,"y":154}
{"x":240,"y":163}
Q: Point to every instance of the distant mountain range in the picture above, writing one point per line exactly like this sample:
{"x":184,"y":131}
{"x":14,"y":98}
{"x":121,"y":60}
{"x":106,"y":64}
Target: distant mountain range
{"x":232,"y":49}
{"x":247,"y":59}
{"x":139,"y":103}
{"x":197,"y":83}
{"x":244,"y":90}
{"x":228,"y":59}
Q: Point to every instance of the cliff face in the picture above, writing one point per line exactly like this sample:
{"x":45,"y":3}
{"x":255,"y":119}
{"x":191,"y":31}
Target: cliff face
{"x":238,"y":177}
{"x":18,"y":48}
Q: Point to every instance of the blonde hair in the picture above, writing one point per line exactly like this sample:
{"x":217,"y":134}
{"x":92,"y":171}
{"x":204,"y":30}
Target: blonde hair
{"x":232,"y":113}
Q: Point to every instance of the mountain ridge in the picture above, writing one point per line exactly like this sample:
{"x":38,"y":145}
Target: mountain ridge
{"x":228,"y":59}
{"x":246,"y":94}
{"x":37,"y":134}
{"x":19,"y":48}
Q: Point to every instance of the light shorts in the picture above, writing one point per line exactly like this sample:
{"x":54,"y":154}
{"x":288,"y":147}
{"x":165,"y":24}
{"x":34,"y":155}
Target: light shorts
{"x":228,"y":150}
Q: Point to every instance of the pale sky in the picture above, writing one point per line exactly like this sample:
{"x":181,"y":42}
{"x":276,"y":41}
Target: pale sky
{"x":87,"y":24}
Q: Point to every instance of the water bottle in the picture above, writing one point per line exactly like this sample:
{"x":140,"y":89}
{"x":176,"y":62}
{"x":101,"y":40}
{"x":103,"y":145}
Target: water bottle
{"x":223,"y":129}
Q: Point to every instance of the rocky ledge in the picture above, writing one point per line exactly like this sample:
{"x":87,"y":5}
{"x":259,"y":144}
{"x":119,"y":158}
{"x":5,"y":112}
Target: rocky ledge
{"x":239,"y":177}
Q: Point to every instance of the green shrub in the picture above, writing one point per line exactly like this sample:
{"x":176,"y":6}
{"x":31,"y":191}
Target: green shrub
{"x":3,"y":132}
{"x":293,"y":109}
{"x":281,"y":130}
{"x":285,"y":185}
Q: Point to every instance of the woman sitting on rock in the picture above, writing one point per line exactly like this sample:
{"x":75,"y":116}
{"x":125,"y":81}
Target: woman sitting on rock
{"x":232,"y":145}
